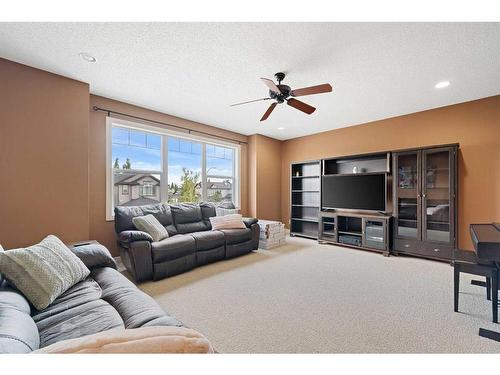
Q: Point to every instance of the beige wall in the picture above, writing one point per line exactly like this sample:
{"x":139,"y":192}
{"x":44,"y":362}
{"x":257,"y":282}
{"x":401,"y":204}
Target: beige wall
{"x":103,"y":230}
{"x":264,"y":166}
{"x":52,"y":157}
{"x":475,"y":125}
{"x":43,"y":156}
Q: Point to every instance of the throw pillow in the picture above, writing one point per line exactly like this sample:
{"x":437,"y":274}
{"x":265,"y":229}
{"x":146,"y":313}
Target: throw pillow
{"x":44,"y":271}
{"x":150,"y":225}
{"x":233,"y":221}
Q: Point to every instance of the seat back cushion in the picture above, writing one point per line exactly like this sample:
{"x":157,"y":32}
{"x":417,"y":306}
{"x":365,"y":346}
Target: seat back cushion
{"x":43,"y":271}
{"x":208,"y":210}
{"x":161,"y":211}
{"x":18,"y":332}
{"x":188,"y":218}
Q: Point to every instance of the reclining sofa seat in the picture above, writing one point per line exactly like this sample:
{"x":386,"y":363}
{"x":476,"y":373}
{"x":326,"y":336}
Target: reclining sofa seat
{"x":104,"y":300}
{"x":191,"y":241}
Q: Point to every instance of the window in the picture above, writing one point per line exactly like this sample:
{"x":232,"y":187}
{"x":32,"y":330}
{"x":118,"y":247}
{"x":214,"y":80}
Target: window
{"x":184,"y":170}
{"x":136,"y":164}
{"x":219,"y":173}
{"x":147,"y":190}
{"x":150,"y":165}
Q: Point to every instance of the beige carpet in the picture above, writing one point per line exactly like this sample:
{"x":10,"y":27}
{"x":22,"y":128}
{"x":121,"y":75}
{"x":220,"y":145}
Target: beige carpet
{"x":310,"y":298}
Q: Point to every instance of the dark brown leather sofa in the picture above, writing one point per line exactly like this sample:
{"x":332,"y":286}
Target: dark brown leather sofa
{"x":191,"y":242}
{"x":104,"y":300}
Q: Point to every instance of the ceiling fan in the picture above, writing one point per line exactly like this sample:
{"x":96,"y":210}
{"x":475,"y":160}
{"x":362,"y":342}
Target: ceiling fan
{"x":281,"y":93}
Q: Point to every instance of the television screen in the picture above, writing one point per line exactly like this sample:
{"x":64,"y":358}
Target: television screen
{"x":356,"y":192}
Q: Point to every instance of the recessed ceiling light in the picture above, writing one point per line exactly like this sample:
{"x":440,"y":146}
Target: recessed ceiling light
{"x":442,"y":84}
{"x":87,"y":57}
{"x":281,"y":128}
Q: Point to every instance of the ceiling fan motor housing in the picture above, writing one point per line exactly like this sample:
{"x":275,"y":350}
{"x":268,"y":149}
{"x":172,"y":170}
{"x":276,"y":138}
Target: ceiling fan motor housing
{"x":285,"y":93}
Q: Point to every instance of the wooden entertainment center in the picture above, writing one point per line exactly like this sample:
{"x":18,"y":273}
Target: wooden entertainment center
{"x":418,"y":217}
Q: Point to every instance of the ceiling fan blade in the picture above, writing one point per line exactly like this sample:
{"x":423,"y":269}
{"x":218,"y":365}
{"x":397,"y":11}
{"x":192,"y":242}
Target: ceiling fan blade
{"x":312,"y":90}
{"x":268,"y":112}
{"x":250,"y":101}
{"x":301,"y":106}
{"x":272,"y":86}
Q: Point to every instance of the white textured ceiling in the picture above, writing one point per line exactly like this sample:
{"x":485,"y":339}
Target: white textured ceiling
{"x":196,"y":70}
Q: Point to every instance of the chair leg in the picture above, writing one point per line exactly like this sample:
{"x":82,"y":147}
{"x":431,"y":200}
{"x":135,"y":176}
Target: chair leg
{"x":494,"y":295}
{"x":488,"y":288}
{"x":456,"y":286}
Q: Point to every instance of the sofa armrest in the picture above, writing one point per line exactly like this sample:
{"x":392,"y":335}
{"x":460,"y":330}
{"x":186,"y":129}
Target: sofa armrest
{"x":94,"y":255}
{"x":138,"y":259}
{"x":249,"y":221}
{"x":128,"y":236}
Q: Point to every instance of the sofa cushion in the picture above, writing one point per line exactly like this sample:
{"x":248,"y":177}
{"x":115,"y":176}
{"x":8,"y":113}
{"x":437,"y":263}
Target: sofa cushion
{"x":43,"y":271}
{"x":87,"y":319}
{"x":161,"y":211}
{"x":136,"y":308}
{"x":18,"y":332}
{"x":93,"y":255}
{"x":234,"y":236}
{"x":208,"y":240}
{"x":208,"y":210}
{"x":172,"y":248}
{"x":188,"y":218}
{"x":77,"y":312}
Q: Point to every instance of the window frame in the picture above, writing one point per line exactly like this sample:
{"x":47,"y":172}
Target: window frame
{"x":165,"y":134}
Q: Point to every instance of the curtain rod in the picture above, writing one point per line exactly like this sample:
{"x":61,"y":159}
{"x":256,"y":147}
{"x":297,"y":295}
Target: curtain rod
{"x":109,"y":111}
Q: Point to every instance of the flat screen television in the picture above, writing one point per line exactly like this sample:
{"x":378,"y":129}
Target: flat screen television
{"x":366,"y":192}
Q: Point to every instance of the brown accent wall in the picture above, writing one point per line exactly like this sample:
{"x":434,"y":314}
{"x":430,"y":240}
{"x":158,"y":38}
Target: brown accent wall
{"x":43,"y":156}
{"x":264,"y":157}
{"x":475,"y":125}
{"x":103,"y":230}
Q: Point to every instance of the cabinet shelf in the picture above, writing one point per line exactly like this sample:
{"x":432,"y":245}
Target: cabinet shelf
{"x":308,"y":219}
{"x":351,"y":233}
{"x":305,"y":200}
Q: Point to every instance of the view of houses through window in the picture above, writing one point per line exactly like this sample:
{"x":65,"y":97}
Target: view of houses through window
{"x":192,"y":171}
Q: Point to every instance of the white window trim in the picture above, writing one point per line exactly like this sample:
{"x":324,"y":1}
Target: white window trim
{"x":165,"y":133}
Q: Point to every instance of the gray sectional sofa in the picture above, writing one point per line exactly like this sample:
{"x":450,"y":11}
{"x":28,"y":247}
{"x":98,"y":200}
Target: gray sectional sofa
{"x":191,"y":241}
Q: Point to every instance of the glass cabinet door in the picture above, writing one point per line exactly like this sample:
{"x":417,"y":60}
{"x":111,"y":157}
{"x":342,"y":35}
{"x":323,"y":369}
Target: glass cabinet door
{"x":374,"y":234}
{"x":407,"y":194}
{"x":436,"y":195}
{"x":328,"y":227}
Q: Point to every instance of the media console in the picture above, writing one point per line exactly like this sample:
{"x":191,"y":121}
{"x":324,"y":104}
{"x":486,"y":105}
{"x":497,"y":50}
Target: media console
{"x":363,"y":231}
{"x":399,"y":202}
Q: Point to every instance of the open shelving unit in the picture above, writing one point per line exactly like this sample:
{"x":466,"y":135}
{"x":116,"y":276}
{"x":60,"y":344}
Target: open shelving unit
{"x":305,"y":198}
